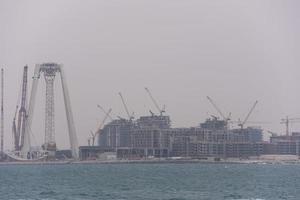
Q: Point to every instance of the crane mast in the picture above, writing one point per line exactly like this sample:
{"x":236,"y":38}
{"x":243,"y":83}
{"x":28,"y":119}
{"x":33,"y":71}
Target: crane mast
{"x":287,"y":122}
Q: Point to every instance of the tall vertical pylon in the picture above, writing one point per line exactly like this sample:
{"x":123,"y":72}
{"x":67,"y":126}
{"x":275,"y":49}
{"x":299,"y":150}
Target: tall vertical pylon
{"x":2,"y":112}
{"x":49,"y":74}
{"x":50,"y":70}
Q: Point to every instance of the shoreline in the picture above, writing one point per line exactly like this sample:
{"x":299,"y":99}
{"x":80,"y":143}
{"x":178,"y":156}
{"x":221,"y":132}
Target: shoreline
{"x":106,"y":162}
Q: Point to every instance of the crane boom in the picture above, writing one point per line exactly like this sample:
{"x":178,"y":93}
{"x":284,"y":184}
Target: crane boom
{"x":94,"y":135}
{"x":23,"y":104}
{"x":217,"y":109}
{"x":125,"y":106}
{"x":104,"y":120}
{"x":161,"y":111}
{"x":248,"y":115}
{"x":22,"y":115}
{"x":106,"y":113}
{"x":14,"y":129}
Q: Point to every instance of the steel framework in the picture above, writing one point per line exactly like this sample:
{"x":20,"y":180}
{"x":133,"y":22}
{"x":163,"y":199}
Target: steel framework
{"x":49,"y":71}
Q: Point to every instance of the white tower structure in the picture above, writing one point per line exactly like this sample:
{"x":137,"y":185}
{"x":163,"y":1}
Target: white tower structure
{"x":50,"y":70}
{"x":2,"y":113}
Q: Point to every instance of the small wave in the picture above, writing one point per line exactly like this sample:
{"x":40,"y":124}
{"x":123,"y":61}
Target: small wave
{"x":249,"y":199}
{"x":233,"y":197}
{"x":48,"y":193}
{"x":32,"y":199}
{"x":83,"y":194}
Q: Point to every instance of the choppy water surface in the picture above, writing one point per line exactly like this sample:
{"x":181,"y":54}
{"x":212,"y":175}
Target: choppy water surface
{"x":150,"y":181}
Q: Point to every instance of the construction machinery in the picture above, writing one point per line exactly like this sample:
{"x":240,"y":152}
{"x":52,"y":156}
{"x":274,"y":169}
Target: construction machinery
{"x":14,"y":129}
{"x":98,"y":131}
{"x":22,"y":149}
{"x":23,"y":118}
{"x":104,"y":111}
{"x":19,"y":127}
{"x":130,"y":116}
{"x":226,"y":119}
{"x":241,"y":124}
{"x":160,"y":110}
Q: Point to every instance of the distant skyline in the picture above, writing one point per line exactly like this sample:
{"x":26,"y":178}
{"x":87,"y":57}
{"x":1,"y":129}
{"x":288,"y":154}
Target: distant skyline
{"x":233,"y":51}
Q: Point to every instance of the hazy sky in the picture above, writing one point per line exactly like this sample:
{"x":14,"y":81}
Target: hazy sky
{"x":183,"y":50}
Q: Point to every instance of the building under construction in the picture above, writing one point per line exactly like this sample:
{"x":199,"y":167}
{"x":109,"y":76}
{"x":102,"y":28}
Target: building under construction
{"x":137,"y":138}
{"x":205,"y":141}
{"x":152,"y":136}
{"x":116,"y":134}
{"x":286,"y":144}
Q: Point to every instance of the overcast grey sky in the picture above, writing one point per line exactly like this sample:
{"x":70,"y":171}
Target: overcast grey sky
{"x":183,"y":50}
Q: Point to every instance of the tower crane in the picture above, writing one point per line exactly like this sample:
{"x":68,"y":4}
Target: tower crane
{"x":287,"y":121}
{"x":98,"y":131}
{"x":160,"y":110}
{"x":20,"y":127}
{"x":218,"y":110}
{"x":14,"y":129}
{"x":23,"y":110}
{"x":248,"y":115}
{"x":130,"y":117}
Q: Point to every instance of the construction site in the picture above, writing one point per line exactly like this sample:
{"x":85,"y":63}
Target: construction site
{"x":153,"y":137}
{"x":143,"y":138}
{"x":23,"y":150}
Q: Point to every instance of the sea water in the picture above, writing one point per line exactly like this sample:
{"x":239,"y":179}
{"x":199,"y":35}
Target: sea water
{"x":150,"y":181}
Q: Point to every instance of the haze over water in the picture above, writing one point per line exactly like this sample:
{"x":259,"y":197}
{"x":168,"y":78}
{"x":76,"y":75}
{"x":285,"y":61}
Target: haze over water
{"x":234,"y":51}
{"x":150,"y":182}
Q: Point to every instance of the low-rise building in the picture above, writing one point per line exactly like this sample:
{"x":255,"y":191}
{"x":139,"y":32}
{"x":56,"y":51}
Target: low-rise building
{"x":286,"y":144}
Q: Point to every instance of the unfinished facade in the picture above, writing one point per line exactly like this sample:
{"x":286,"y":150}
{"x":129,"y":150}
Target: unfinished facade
{"x":152,"y":136}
